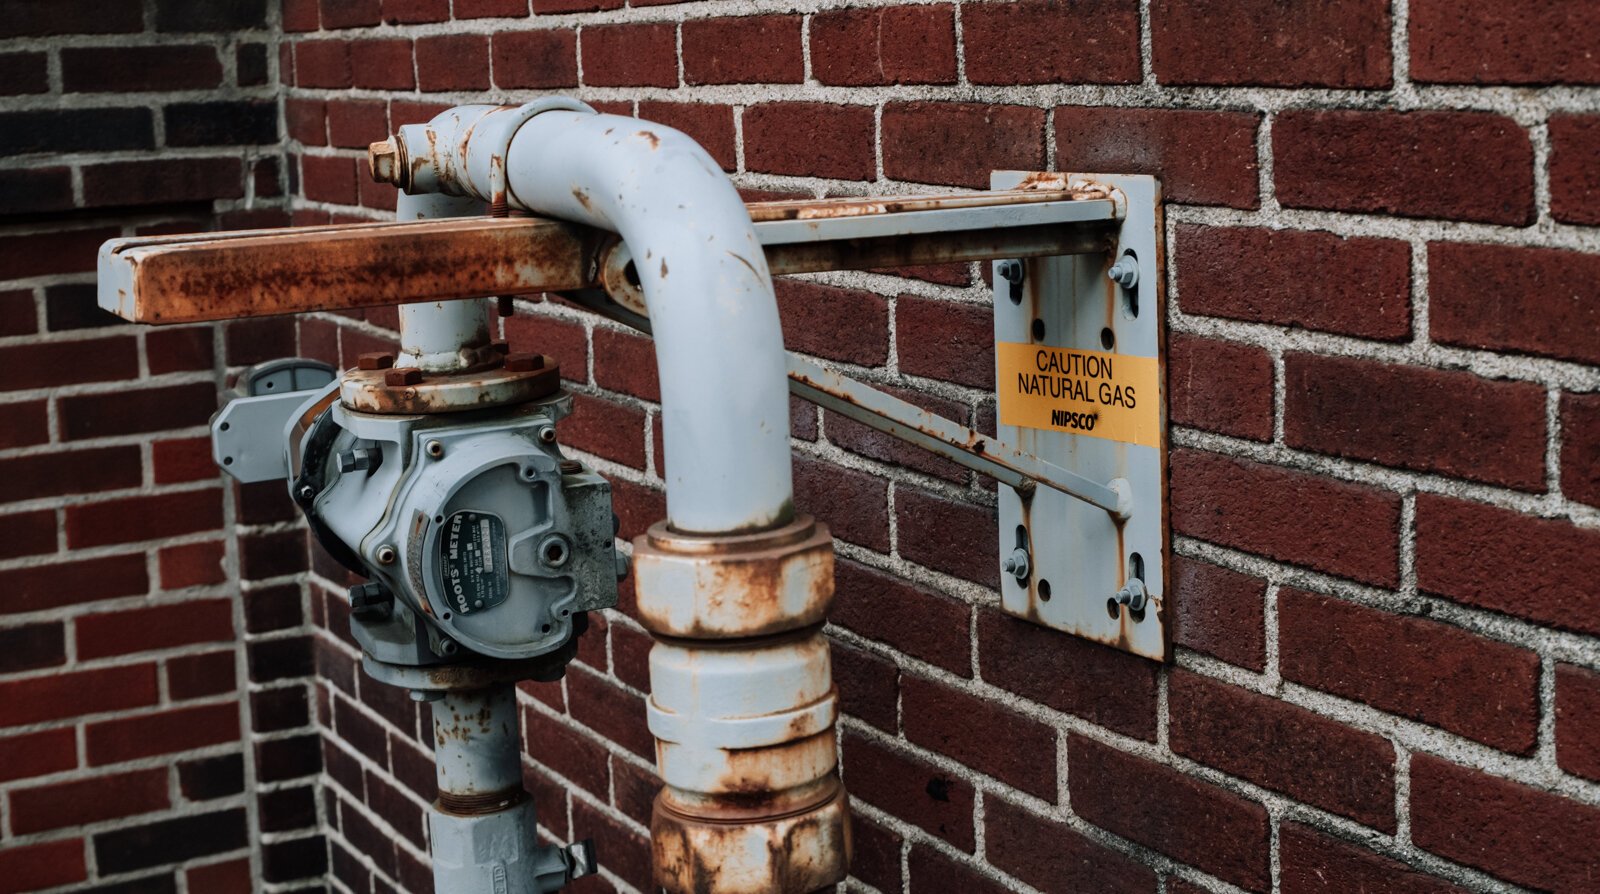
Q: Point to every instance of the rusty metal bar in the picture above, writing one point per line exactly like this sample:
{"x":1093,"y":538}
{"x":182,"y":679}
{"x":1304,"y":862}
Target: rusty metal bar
{"x":210,"y":276}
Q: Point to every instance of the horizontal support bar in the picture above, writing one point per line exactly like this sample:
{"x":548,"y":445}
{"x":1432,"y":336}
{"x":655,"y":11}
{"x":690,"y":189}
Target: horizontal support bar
{"x":209,"y":276}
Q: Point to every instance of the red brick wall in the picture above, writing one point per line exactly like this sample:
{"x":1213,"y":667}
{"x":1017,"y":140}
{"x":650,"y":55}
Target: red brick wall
{"x":1385,"y":325}
{"x":155,"y":721}
{"x":1386,"y":442}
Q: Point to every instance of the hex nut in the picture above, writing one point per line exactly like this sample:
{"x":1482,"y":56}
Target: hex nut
{"x":402,"y":376}
{"x":524,"y":362}
{"x":383,"y":159}
{"x":375,"y":360}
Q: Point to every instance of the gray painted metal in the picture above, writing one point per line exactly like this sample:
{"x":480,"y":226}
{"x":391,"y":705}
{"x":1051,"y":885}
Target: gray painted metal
{"x":249,"y":438}
{"x":1082,"y":555}
{"x":442,"y":336}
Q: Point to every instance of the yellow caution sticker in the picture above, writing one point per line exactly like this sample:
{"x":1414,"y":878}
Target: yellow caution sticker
{"x":1092,"y":393}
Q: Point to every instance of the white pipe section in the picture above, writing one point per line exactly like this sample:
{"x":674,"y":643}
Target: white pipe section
{"x":442,"y":336}
{"x":718,"y":342}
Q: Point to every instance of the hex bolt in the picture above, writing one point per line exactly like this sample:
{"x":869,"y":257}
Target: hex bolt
{"x":1013,"y":272}
{"x":307,"y":491}
{"x":547,"y":434}
{"x":522,"y":363}
{"x":1125,"y":272}
{"x":402,"y":376}
{"x":356,"y":460}
{"x":1017,"y":564}
{"x":447,"y":647}
{"x":1133,"y":595}
{"x":385,"y":555}
{"x":433,"y":449}
{"x":572,"y":467}
{"x":500,"y":347}
{"x":553,"y":551}
{"x":426,"y":695}
{"x":375,"y":360}
{"x":383,"y":158}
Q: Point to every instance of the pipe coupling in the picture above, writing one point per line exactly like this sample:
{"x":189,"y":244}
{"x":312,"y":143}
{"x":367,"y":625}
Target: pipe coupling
{"x":734,"y":585}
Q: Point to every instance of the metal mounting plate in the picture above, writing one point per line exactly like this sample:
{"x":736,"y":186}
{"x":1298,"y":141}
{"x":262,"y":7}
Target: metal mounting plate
{"x":1079,"y":555}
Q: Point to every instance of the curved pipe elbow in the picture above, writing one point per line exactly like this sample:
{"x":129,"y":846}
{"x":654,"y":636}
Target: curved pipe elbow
{"x":718,"y":340}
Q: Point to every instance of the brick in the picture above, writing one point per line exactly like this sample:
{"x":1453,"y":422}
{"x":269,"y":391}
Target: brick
{"x":958,"y":144}
{"x":606,"y":429}
{"x":200,"y":676}
{"x":1037,"y":42}
{"x":386,"y":65}
{"x":838,"y":140}
{"x":873,"y":444}
{"x":930,"y":870}
{"x":945,"y":340}
{"x":1429,"y":420}
{"x":1107,"y":687}
{"x":232,"y":123}
{"x":1514,"y":299}
{"x":1351,"y":286}
{"x":49,"y":364}
{"x":1400,"y":664}
{"x":854,"y":505}
{"x":1313,"y":863}
{"x":40,"y":254}
{"x":955,"y":538}
{"x":400,"y":812}
{"x":300,"y":858}
{"x":30,"y":191}
{"x":612,"y":712}
{"x":1575,"y":168}
{"x":909,"y":788}
{"x":1253,"y":507}
{"x":563,"y":340}
{"x":919,"y":622}
{"x":637,"y":506}
{"x":37,"y":18}
{"x":1265,"y":43}
{"x":537,"y":60}
{"x":162,"y":181}
{"x":1520,"y":42}
{"x":136,"y":411}
{"x":250,"y":65}
{"x":184,"y":349}
{"x":139,"y":69}
{"x":322,"y":63}
{"x":27,"y":534}
{"x":88,"y":801}
{"x":1186,"y":819}
{"x":75,"y":306}
{"x":354,"y":124}
{"x":154,"y":627}
{"x":1202,"y":157}
{"x":453,"y":62}
{"x":34,"y":867}
{"x":745,"y":50}
{"x":1577,"y":711}
{"x":1284,"y":748}
{"x":330,"y":179}
{"x":272,"y":608}
{"x":484,"y":9}
{"x":350,"y":13}
{"x":28,"y":423}
{"x":230,"y":877}
{"x":32,"y":646}
{"x":68,"y":471}
{"x":279,"y":659}
{"x":1580,"y":447}
{"x":709,"y":125}
{"x":1220,"y":386}
{"x":1503,"y":561}
{"x":306,"y":120}
{"x":182,"y":459}
{"x":875,"y":856}
{"x":627,"y":852}
{"x":63,"y":695}
{"x":301,"y":16}
{"x":582,"y":760}
{"x":547,"y":7}
{"x":38,"y":754}
{"x":194,"y":16}
{"x":415,"y":12}
{"x":849,"y":49}
{"x":630,"y":55}
{"x":1528,"y":837}
{"x":170,"y":841}
{"x":869,"y":686}
{"x":166,"y":732}
{"x":1472,"y":166}
{"x":276,"y":710}
{"x":1219,"y":611}
{"x":37,"y":587}
{"x":850,"y":325}
{"x":24,"y":73}
{"x":288,"y":809}
{"x":143,"y":518}
{"x":1052,"y":857}
{"x":1014,"y":749}
{"x":626,"y":362}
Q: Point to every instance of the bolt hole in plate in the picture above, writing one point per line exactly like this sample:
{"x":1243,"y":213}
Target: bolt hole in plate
{"x":1081,"y":384}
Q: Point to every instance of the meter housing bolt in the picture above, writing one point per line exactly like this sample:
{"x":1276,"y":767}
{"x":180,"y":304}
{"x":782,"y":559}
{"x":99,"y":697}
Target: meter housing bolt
{"x":1133,"y":595}
{"x":1017,"y":565}
{"x":1125,"y":272}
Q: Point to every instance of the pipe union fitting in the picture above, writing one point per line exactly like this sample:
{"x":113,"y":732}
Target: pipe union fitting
{"x":734,"y":585}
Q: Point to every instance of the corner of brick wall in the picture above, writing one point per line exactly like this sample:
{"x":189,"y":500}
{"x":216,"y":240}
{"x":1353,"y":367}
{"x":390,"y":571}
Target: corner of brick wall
{"x":156,"y":726}
{"x":1384,"y":378}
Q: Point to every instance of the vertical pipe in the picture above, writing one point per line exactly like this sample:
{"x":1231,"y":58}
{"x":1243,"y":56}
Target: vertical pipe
{"x":477,"y":748}
{"x":443,"y":336}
